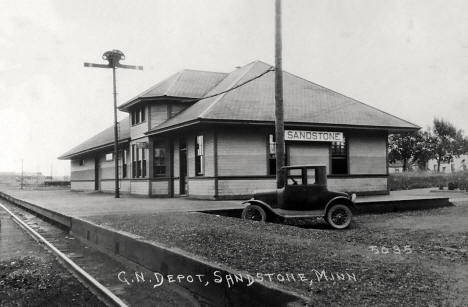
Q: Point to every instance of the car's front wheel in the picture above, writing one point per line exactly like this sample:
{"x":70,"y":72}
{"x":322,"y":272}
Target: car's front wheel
{"x":339,"y":216}
{"x":254,"y":213}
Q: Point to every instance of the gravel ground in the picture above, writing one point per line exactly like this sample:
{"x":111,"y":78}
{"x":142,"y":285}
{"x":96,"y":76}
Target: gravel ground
{"x":413,"y":258}
{"x":41,"y":281}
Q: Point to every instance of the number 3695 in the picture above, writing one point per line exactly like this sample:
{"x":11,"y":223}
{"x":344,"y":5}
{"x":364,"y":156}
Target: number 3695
{"x":391,"y":250}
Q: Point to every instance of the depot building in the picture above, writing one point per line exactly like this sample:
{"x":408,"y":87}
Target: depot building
{"x":211,"y":135}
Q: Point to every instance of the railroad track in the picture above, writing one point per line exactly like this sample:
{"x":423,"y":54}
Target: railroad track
{"x":100,"y":291}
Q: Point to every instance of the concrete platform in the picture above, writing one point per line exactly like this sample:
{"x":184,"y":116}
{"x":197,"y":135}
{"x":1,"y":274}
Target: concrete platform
{"x":82,"y":204}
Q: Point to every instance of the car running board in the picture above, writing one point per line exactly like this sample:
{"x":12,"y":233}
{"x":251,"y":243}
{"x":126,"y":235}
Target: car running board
{"x":299,"y":214}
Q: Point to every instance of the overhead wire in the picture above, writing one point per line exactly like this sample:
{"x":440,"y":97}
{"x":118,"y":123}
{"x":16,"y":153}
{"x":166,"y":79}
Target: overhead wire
{"x":316,"y":113}
{"x":234,"y":87}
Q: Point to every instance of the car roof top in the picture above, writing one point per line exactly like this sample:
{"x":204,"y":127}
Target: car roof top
{"x":302,"y":166}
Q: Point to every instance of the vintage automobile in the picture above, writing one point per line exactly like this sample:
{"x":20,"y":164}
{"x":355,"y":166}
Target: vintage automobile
{"x":305,"y":195}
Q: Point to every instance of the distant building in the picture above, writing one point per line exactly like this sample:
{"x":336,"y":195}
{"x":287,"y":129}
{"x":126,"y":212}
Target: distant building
{"x":193,"y":134}
{"x":458,"y":164}
{"x":396,"y":167}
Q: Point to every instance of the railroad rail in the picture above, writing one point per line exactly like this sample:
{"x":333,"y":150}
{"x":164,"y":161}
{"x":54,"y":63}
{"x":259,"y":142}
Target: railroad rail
{"x":101,"y":292}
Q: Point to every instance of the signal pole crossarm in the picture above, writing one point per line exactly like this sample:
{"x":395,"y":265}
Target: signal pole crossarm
{"x":135,"y":67}
{"x":114,"y":57}
{"x":97,"y":65}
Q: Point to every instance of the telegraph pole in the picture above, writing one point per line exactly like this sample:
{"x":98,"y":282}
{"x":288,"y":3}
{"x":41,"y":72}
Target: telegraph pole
{"x":21,"y":187}
{"x":279,"y":111}
{"x":114,"y":57}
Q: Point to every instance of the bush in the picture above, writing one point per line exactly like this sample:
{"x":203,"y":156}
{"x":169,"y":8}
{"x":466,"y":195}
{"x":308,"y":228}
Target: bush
{"x":418,"y":180}
{"x":452,"y":185}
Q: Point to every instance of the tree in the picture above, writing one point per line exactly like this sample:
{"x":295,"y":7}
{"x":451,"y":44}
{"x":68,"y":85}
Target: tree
{"x":465,"y":145}
{"x":424,"y":149}
{"x":401,"y":148}
{"x":448,"y":142}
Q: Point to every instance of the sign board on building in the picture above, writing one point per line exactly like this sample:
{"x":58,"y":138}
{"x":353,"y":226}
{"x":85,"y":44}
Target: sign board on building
{"x":313,"y":136}
{"x":142,"y":145}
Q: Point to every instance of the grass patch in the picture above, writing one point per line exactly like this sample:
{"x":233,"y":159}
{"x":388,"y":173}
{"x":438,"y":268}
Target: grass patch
{"x":34,"y":281}
{"x":418,"y":180}
{"x":274,"y":248}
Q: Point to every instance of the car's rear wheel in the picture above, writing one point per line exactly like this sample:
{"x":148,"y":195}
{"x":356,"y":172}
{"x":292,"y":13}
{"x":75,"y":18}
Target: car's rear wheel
{"x":339,"y":216}
{"x":254,"y":213}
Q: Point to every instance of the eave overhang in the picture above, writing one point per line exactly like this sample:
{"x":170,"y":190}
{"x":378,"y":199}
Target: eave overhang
{"x":197,"y":121}
{"x":126,"y":106}
{"x":93,"y":150}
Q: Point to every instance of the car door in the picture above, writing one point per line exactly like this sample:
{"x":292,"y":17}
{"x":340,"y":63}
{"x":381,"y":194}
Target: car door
{"x":295,"y":190}
{"x":315,"y":190}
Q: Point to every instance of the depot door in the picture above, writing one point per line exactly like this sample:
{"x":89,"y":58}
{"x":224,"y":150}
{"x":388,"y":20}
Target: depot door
{"x":96,"y":174}
{"x":183,"y":167}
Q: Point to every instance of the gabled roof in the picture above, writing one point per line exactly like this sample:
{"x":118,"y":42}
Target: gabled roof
{"x":186,"y":83}
{"x":304,"y":103}
{"x":102,"y":140}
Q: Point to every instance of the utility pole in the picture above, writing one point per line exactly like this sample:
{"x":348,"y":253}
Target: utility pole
{"x":21,"y":186}
{"x":279,"y":111}
{"x":114,"y":57}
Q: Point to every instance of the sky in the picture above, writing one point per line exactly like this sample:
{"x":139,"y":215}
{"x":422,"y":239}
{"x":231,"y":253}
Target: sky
{"x":408,"y":58}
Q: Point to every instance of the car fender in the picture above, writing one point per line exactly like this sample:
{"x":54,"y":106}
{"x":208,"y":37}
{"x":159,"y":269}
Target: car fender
{"x":262,"y":204}
{"x":344,"y":200}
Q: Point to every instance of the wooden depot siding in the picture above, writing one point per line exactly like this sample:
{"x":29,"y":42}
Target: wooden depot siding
{"x":82,"y":185}
{"x":241,"y":164}
{"x":82,"y":172}
{"x":208,"y":150}
{"x":242,"y":153}
{"x":176,"y":158}
{"x":190,"y":141}
{"x":139,"y":187}
{"x":107,"y":170}
{"x":82,"y":176}
{"x":160,"y":187}
{"x":367,"y":154}
{"x":309,"y":153}
{"x":376,"y":184}
{"x":201,"y":188}
{"x":108,"y":186}
{"x":208,"y":139}
{"x":198,"y":185}
{"x":176,"y":187}
{"x":243,"y":187}
{"x":137,"y":131}
{"x":125,"y":186}
{"x":159,"y":113}
{"x":176,"y":108}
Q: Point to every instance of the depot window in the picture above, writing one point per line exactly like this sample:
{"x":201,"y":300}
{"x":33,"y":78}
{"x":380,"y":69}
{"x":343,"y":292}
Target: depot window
{"x":199,"y":156}
{"x":124,"y":163}
{"x":138,"y":115}
{"x":143,"y":162}
{"x":159,"y":159}
{"x":81,"y":162}
{"x":138,"y":162}
{"x":339,"y":157}
{"x":109,"y":156}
